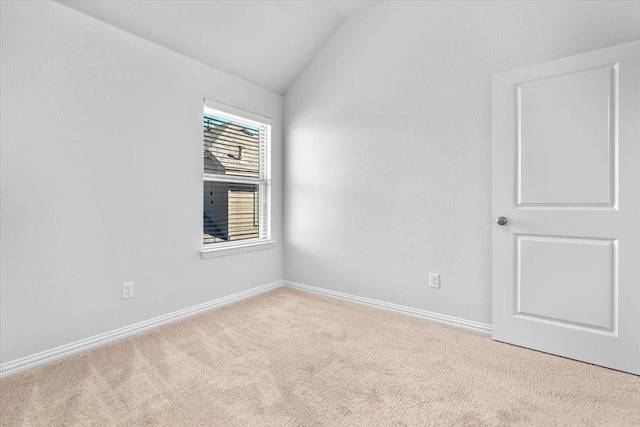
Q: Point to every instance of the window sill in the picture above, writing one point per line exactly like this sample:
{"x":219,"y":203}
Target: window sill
{"x":234,"y":249}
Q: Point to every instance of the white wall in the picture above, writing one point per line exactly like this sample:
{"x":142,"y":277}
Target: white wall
{"x":101,"y":179}
{"x":388,"y":143}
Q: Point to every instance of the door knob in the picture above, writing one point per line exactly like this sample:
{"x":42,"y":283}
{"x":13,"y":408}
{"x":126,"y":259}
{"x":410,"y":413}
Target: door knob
{"x":501,"y":220}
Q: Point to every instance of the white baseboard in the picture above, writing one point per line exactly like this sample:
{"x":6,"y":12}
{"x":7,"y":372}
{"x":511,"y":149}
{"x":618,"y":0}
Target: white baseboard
{"x":47,"y":356}
{"x":455,"y":321}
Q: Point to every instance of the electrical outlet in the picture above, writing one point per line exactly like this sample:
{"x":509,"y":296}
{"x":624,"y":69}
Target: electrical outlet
{"x":127,"y":290}
{"x":434,"y":280}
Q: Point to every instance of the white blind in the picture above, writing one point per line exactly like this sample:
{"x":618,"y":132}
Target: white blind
{"x":236,"y":198}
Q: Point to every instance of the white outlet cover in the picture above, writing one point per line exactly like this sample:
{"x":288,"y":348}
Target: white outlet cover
{"x":434,"y":280}
{"x":127,"y":290}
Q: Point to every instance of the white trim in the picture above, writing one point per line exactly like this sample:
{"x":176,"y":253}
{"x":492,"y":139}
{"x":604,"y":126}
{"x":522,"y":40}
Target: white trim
{"x":232,"y":179}
{"x":232,"y":113}
{"x":47,"y":356}
{"x":219,"y":249}
{"x":423,"y":314}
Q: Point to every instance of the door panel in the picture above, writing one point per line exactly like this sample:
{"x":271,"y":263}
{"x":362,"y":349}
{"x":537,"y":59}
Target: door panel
{"x":566,"y":175}
{"x":577,"y":290}
{"x":567,"y":119}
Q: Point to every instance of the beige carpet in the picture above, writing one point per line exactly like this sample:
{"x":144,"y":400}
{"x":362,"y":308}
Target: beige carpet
{"x":288,"y":358}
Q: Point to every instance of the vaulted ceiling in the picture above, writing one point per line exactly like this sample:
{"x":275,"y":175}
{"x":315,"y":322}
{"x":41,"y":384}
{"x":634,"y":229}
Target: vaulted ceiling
{"x":264,"y":42}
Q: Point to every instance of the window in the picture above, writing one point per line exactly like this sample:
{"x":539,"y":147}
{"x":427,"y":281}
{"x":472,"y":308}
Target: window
{"x":236,"y":179}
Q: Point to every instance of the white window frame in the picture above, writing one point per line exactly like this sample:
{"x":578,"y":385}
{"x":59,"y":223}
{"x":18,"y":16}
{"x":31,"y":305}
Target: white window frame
{"x":264,"y":182}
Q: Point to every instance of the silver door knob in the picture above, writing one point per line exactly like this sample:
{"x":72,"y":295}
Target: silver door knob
{"x":501,"y":220}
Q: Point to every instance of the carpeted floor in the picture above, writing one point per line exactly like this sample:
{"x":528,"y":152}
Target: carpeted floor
{"x":287,"y":358}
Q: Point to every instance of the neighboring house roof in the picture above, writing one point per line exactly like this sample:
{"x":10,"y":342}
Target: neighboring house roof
{"x":234,"y":147}
{"x":211,"y":163}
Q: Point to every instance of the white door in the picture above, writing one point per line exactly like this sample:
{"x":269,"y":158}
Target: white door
{"x":566,"y":177}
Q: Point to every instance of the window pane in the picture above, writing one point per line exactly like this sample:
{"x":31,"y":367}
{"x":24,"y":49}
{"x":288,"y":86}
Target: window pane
{"x":231,"y":148}
{"x":231,"y":212}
